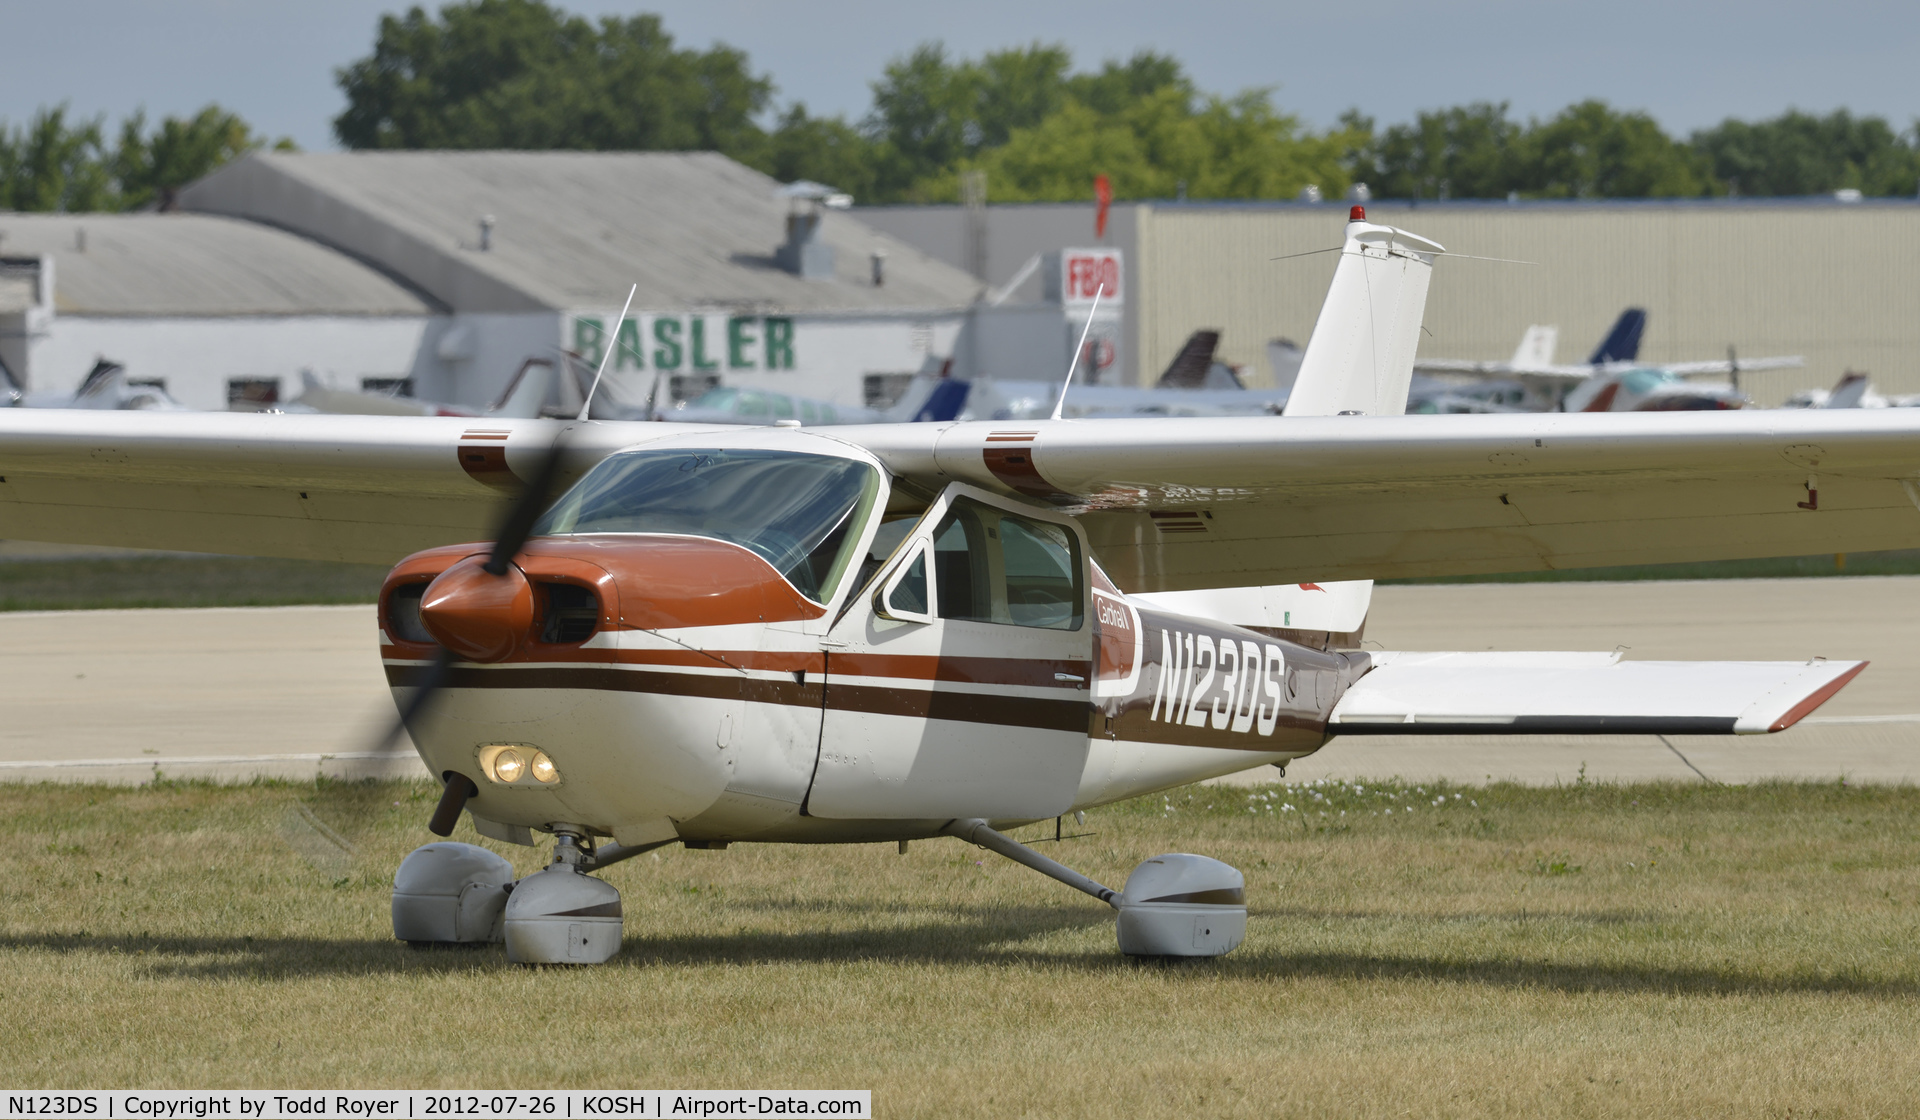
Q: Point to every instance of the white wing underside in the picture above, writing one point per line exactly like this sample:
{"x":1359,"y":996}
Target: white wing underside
{"x":1581,"y":693}
{"x":1169,"y":504}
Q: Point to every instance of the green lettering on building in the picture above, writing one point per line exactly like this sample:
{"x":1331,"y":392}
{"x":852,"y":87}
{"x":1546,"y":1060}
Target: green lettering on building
{"x":701,"y":362}
{"x":667,"y":355}
{"x":779,"y":336}
{"x":739,"y":337}
{"x":589,"y":339}
{"x":629,"y":353}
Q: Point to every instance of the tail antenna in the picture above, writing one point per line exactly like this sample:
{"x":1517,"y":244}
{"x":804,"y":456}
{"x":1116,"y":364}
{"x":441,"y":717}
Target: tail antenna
{"x":613,"y":343}
{"x":1075,"y":364}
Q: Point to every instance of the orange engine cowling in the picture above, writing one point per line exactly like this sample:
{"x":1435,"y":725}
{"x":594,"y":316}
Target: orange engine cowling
{"x":560,"y":591}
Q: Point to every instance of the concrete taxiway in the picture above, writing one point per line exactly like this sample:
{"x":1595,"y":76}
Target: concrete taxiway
{"x":292,"y":691}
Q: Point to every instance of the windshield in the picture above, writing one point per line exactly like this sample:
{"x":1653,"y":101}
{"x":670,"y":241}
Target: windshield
{"x":799,"y":512}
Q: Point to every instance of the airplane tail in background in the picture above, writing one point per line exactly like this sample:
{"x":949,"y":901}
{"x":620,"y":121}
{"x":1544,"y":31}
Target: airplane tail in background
{"x":527,"y":393}
{"x":1190,"y":367}
{"x":1536,"y":347}
{"x":1360,"y":358}
{"x":1622,"y":343}
{"x":929,"y":399}
{"x":1850,"y":392}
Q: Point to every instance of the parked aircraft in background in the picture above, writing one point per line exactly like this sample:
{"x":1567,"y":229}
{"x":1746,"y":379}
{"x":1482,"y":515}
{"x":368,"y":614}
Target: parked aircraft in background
{"x":1854,"y":390}
{"x":929,"y":396}
{"x":1612,"y":379}
{"x":105,"y":387}
{"x":926,"y":399}
{"x":1194,"y":384}
{"x":907,"y":631}
{"x":525,"y":395}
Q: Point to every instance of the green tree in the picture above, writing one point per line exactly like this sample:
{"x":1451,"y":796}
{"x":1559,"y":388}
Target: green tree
{"x":151,"y":170}
{"x":1798,"y":154}
{"x":51,"y":164}
{"x":1590,"y":150}
{"x":523,"y":74}
{"x":824,"y":149}
{"x":1469,"y":151}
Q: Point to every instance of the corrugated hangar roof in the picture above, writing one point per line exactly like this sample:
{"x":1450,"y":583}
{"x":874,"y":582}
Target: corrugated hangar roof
{"x":197,"y":265}
{"x":573,"y":229}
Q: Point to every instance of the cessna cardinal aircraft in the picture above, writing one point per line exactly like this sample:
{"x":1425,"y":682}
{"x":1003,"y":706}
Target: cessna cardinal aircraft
{"x":889,"y":633}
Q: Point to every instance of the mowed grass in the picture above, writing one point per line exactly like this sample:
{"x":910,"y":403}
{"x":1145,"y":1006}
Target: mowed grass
{"x":1652,"y":950}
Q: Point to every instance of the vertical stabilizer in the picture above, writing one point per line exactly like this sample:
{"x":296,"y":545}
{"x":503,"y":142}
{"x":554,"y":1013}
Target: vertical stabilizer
{"x":1360,"y":358}
{"x":1536,"y":347}
{"x":1622,"y":343}
{"x":526,"y":394}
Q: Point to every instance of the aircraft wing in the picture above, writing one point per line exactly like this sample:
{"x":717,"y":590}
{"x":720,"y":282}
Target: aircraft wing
{"x":1581,"y":693}
{"x":1513,"y":369}
{"x":1721,"y":365}
{"x":1168,"y":504}
{"x":1181,"y":505}
{"x":369,"y":489}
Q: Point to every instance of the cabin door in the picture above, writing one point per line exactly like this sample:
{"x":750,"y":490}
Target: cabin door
{"x":957,"y":683}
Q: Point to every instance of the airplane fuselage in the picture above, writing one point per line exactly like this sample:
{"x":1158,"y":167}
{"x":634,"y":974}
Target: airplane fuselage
{"x":679,"y":686}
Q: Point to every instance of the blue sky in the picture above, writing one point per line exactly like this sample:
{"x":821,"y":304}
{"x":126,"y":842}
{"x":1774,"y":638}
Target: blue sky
{"x":1690,"y":65}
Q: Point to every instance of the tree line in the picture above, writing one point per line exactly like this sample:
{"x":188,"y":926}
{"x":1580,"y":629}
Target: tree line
{"x":55,"y":162}
{"x":524,"y":74}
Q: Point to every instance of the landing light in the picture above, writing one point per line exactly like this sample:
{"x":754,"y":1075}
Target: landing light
{"x":517,"y":764}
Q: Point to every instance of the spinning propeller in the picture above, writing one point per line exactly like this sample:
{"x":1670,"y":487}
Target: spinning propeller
{"x":511,"y":535}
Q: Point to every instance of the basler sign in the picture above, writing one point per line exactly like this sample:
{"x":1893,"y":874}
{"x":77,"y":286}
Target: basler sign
{"x":690,"y":343}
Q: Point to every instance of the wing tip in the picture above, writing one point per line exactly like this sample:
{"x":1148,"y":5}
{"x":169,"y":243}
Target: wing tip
{"x":1816,"y":698}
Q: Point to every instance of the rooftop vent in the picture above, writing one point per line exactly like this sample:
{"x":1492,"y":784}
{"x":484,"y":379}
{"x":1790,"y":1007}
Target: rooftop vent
{"x":804,"y":254}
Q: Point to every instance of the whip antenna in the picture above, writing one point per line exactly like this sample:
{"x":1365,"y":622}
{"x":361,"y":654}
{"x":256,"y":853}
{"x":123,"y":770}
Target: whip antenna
{"x":1075,"y":364}
{"x":613,"y":343}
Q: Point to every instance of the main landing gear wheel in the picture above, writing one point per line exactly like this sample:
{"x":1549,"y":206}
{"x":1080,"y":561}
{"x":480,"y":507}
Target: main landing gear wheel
{"x":562,"y":915}
{"x":1175,"y":905}
{"x":449,"y":893}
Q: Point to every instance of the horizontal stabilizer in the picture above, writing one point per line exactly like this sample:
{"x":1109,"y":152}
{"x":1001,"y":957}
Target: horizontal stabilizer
{"x":1581,"y":693}
{"x":1339,"y":606}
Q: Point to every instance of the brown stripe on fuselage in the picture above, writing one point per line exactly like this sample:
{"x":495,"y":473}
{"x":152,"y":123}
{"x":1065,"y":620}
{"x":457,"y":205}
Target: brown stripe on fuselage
{"x":597,"y":678}
{"x":962,"y":707}
{"x":958,"y":670}
{"x":1293,"y":690}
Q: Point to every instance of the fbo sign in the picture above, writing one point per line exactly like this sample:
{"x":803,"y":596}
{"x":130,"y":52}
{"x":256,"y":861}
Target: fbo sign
{"x":1085,"y":273}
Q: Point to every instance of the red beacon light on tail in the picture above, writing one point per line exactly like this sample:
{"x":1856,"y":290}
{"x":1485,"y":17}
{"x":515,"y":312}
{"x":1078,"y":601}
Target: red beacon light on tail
{"x":1357,"y":214}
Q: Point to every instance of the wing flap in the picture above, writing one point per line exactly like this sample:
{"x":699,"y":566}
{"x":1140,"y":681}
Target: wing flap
{"x":1581,"y":693}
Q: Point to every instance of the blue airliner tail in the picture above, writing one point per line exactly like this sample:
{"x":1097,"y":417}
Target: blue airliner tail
{"x":1622,"y":343}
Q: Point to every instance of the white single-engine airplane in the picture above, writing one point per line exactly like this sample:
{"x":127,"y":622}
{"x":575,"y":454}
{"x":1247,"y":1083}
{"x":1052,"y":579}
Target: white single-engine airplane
{"x":895,"y":632}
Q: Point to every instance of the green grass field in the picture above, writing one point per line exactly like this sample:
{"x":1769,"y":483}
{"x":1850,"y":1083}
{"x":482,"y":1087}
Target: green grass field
{"x":1654,"y":950}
